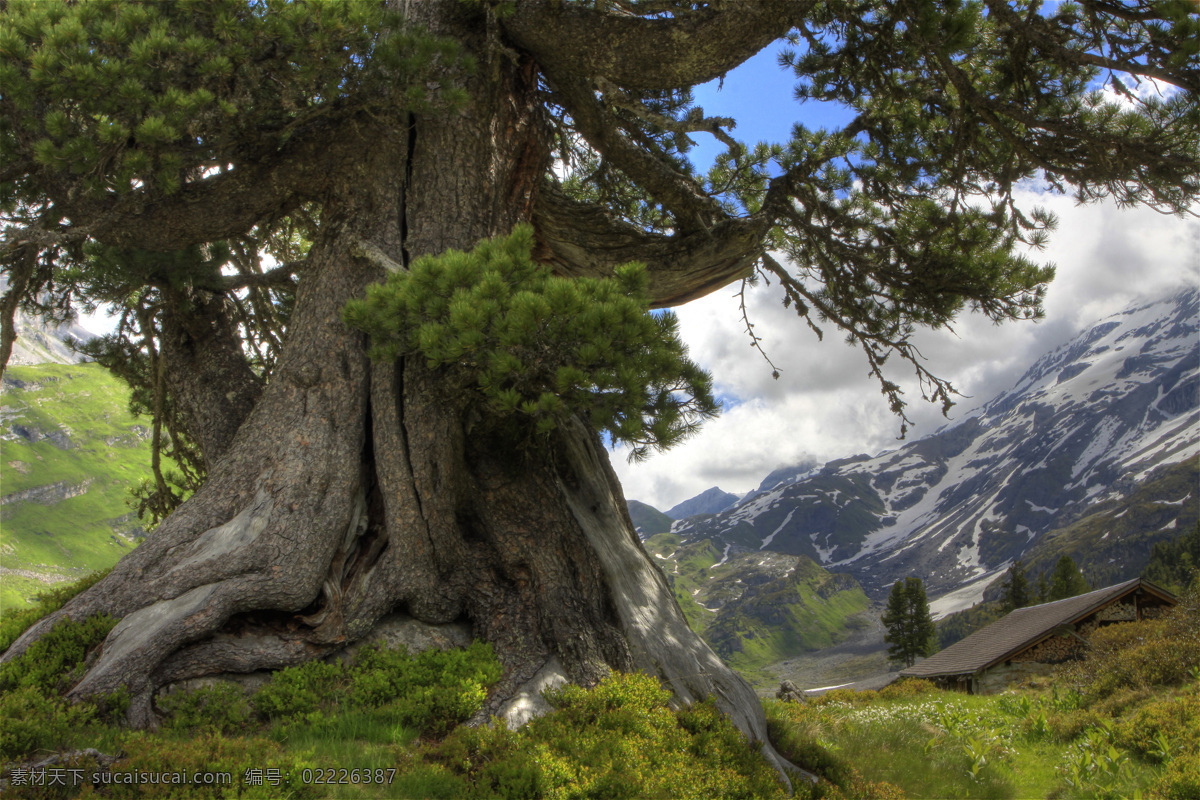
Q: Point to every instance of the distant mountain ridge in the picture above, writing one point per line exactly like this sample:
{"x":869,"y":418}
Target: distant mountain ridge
{"x":710,"y":501}
{"x":1084,"y":426}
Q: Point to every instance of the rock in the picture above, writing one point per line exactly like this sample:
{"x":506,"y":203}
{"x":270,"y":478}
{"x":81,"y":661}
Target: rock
{"x":529,"y":701}
{"x":790,"y":693}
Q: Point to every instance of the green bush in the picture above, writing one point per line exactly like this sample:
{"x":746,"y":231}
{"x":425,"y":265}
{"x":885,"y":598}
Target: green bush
{"x":12,"y":625}
{"x":54,"y":662}
{"x":1159,"y":729}
{"x":907,"y":688}
{"x":224,"y":764}
{"x":222,"y":707}
{"x":532,"y":345}
{"x":31,"y":722}
{"x":297,"y":692}
{"x":1160,"y":652}
{"x":618,"y":740}
{"x":1180,"y":780}
{"x":432,"y":691}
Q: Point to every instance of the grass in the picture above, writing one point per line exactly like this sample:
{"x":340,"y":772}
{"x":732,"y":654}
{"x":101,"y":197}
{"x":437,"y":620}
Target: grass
{"x":108,"y":451}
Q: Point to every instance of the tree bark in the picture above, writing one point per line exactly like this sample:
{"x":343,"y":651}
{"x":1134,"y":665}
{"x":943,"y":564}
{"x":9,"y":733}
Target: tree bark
{"x":355,"y":489}
{"x":210,"y":376}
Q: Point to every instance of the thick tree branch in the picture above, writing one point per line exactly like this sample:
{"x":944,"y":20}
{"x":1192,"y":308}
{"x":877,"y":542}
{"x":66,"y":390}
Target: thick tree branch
{"x":224,"y":205}
{"x":281,"y":276}
{"x":649,"y":54}
{"x":679,"y":194}
{"x":581,"y":240}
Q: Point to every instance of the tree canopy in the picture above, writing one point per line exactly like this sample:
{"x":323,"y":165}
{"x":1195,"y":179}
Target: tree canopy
{"x":162,"y":126}
{"x":1066,"y":580}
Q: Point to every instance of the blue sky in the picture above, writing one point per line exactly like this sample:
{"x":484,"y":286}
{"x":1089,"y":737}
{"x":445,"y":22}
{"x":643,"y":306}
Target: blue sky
{"x":824,"y":406}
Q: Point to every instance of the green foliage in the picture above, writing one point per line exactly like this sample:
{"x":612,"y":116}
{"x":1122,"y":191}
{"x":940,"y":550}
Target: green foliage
{"x":55,"y":661}
{"x":1162,"y":728}
{"x":618,"y":740}
{"x":113,"y":94}
{"x":222,"y":707}
{"x":1180,"y":779}
{"x":1175,"y":563}
{"x":32,"y":716}
{"x":30,"y":721}
{"x":297,"y":692}
{"x":430,"y":692}
{"x":1160,"y":652}
{"x":1066,"y":580}
{"x":542,"y":347}
{"x":910,"y":629}
{"x":15,"y":623}
{"x":1016,"y":588}
{"x":223,"y":761}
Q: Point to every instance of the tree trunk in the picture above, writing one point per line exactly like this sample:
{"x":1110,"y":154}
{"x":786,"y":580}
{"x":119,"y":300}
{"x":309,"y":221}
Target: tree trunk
{"x":354,"y":489}
{"x":211,"y":378}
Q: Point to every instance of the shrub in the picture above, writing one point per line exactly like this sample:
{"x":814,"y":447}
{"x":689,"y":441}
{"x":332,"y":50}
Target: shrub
{"x":55,"y":661}
{"x":1173,"y":721}
{"x":222,"y":707}
{"x":14,"y":624}
{"x":618,"y":740}
{"x":227,"y":767}
{"x":1180,"y":780}
{"x":906,"y":688}
{"x":297,"y":692}
{"x":30,"y":721}
{"x":1160,"y":652}
{"x":432,"y":691}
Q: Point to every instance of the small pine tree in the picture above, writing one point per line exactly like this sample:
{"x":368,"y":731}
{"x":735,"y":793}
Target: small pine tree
{"x":1043,"y":589}
{"x":1066,"y":580}
{"x":1016,"y":588}
{"x":910,"y":629}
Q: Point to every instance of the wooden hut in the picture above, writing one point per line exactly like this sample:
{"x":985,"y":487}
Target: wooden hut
{"x":1031,"y":641}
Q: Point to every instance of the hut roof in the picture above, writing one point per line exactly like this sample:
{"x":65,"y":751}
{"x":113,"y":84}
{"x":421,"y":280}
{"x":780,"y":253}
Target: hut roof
{"x":1021,"y":629}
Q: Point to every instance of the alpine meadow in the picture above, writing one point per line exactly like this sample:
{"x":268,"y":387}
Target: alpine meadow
{"x":393,"y":275}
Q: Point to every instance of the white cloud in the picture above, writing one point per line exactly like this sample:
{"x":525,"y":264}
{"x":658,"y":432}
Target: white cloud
{"x":825,"y":406}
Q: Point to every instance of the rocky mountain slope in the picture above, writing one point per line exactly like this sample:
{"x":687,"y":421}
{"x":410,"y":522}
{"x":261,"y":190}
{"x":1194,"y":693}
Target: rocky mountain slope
{"x":756,"y":609}
{"x":1087,"y":425}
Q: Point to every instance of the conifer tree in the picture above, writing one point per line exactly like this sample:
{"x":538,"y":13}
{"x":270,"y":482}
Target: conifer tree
{"x":911,"y":633}
{"x":1043,"y":589}
{"x":1016,"y":588}
{"x":1066,"y":580}
{"x":154,"y":154}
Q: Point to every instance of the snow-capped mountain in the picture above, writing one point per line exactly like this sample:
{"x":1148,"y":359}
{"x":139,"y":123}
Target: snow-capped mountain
{"x":1085,"y":425}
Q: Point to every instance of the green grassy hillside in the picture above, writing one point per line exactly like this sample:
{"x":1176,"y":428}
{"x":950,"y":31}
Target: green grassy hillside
{"x":69,"y":452}
{"x":759,"y":607}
